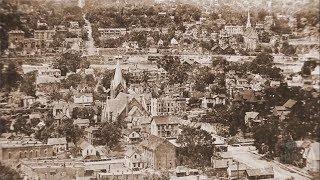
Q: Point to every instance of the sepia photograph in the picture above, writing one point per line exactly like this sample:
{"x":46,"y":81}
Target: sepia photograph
{"x":159,"y":89}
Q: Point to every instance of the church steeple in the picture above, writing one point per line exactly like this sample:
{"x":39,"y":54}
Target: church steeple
{"x":248,"y":21}
{"x":118,"y":83}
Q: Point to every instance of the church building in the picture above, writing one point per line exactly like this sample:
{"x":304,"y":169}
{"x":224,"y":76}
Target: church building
{"x":122,"y":101}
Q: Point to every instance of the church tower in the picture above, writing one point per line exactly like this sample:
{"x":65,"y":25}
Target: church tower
{"x":118,"y":84}
{"x":250,"y":35}
{"x":248,"y":25}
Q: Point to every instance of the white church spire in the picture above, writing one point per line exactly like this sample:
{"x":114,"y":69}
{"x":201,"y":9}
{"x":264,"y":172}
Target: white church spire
{"x":117,"y":79}
{"x":248,"y":21}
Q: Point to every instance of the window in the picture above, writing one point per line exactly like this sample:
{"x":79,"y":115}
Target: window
{"x":9,"y":155}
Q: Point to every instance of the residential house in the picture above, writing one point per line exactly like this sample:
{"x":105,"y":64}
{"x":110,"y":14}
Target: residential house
{"x":211,"y":101}
{"x":237,"y":170}
{"x":61,"y":109}
{"x":252,"y":119}
{"x":165,"y":126}
{"x":264,"y":173}
{"x":159,"y":153}
{"x":220,"y":166}
{"x":134,"y":159}
{"x":27,"y":101}
{"x":168,"y":106}
{"x":133,"y":136}
{"x":92,"y":134}
{"x":312,"y":157}
{"x":81,"y":123}
{"x":83,"y":98}
{"x":59,"y":145}
{"x":284,"y":110}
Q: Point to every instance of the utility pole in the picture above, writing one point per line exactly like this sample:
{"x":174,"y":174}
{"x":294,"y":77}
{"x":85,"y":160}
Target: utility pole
{"x":238,"y":174}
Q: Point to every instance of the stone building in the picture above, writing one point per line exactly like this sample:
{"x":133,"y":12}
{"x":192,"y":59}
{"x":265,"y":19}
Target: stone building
{"x":159,"y":153}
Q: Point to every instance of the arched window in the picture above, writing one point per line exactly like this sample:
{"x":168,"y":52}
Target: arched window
{"x":36,"y":153}
{"x":9,"y":155}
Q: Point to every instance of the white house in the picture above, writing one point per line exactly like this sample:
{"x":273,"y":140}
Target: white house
{"x":83,"y":98}
{"x":312,"y":157}
{"x":209,"y":102}
{"x":134,"y":160}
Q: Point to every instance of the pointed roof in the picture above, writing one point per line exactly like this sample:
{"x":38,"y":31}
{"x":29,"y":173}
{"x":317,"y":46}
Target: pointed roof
{"x":117,"y":79}
{"x":248,"y":21}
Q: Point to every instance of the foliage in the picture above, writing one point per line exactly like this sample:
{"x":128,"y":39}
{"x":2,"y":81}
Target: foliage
{"x":266,"y":135}
{"x":70,"y":61}
{"x":196,"y":146}
{"x":109,"y":134}
{"x":308,"y":67}
{"x":28,"y":84}
{"x":106,"y":79}
{"x":7,"y":173}
{"x":177,"y":71}
{"x":72,"y":132}
{"x":10,"y":77}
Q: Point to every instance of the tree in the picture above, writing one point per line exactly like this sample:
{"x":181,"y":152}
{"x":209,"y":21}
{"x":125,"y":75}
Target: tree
{"x":266,"y":136}
{"x":263,"y":64}
{"x":12,"y":76}
{"x":109,"y":134}
{"x":73,"y":133}
{"x":106,"y":79}
{"x":196,"y":146}
{"x":308,"y":67}
{"x":2,"y":77}
{"x":28,"y":84}
{"x":70,"y":61}
{"x":287,"y":150}
{"x":21,"y":126}
{"x":4,"y":125}
{"x":7,"y":173}
{"x":287,"y":49}
{"x":73,"y":80}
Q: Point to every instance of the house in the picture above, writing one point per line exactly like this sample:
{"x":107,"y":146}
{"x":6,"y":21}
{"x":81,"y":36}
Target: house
{"x":168,"y":106}
{"x":165,"y":126}
{"x":237,"y":170}
{"x":92,"y":134}
{"x":134,"y":159}
{"x":83,"y":98}
{"x":220,"y":166}
{"x":133,"y":136}
{"x":159,"y":153}
{"x":87,"y":149}
{"x":27,"y":101}
{"x":82,"y":123}
{"x":61,"y":109}
{"x":59,"y":145}
{"x":264,"y":173}
{"x":312,"y":157}
{"x":284,"y":110}
{"x":209,"y":102}
{"x":252,"y":118}
{"x":290,"y":103}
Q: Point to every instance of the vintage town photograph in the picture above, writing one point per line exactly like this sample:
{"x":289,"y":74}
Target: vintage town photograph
{"x":159,"y":89}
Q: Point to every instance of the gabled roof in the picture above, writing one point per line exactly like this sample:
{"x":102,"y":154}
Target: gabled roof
{"x":260,"y":172}
{"x":57,"y":141}
{"x":251,"y":114}
{"x":153,"y":142}
{"x":165,"y":120}
{"x":290,"y":103}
